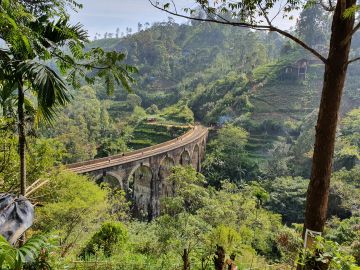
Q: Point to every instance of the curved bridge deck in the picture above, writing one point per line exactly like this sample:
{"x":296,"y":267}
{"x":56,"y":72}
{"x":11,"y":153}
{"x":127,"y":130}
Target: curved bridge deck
{"x":192,"y":135}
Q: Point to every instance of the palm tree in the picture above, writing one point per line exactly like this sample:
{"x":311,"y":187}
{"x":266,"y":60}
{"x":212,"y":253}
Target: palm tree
{"x":33,"y":35}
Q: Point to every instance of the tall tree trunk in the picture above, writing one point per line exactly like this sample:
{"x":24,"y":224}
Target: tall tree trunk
{"x":185,"y":258}
{"x":334,"y":78}
{"x":22,"y":138}
{"x":219,"y":258}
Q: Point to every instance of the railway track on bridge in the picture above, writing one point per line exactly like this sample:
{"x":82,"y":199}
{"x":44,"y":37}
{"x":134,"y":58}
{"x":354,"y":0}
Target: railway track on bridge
{"x":193,"y":134}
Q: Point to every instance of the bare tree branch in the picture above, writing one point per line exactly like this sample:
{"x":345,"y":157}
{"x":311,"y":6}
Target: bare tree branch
{"x":356,"y":28}
{"x":175,"y":5}
{"x":353,"y":60}
{"x":278,"y":12}
{"x":268,"y":27}
{"x":265,"y":15}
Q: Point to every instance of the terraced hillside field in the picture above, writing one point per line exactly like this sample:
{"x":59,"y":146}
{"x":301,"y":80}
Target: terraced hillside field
{"x":279,"y":105}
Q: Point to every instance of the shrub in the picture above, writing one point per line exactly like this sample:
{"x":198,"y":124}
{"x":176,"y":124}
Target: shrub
{"x":153,"y":109}
{"x":326,"y":255}
{"x":110,"y":236}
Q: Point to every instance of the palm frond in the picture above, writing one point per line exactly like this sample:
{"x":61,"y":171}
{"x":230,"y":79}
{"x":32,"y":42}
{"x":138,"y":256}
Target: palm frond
{"x":14,"y":258}
{"x":57,"y":33}
{"x":50,"y":89}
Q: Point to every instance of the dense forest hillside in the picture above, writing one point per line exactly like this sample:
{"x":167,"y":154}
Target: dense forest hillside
{"x":251,"y":79}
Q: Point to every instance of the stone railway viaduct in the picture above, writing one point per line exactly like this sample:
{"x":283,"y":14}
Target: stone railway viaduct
{"x":143,"y":173}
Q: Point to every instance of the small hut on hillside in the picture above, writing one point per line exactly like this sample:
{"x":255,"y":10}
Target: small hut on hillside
{"x":295,"y":71}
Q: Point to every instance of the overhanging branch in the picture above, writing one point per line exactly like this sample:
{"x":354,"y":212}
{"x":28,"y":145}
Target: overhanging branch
{"x":268,"y":27}
{"x":301,"y":43}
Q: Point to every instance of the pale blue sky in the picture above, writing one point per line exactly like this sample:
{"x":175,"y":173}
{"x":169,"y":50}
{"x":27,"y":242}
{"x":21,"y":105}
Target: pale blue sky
{"x":106,"y":15}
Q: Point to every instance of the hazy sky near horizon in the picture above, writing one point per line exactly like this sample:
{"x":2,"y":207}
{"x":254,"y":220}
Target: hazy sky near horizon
{"x":108,"y":15}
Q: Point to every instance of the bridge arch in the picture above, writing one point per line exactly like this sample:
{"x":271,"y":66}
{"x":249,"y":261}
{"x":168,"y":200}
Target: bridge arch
{"x":185,"y":158}
{"x":165,"y":188}
{"x":196,"y":157}
{"x":134,"y":168}
{"x":139,"y":189}
{"x":110,"y":178}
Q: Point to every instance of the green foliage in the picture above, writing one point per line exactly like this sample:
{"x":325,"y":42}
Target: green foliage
{"x":179,"y":113}
{"x":348,"y":143}
{"x":312,"y":26}
{"x":343,"y":232}
{"x":35,"y":33}
{"x":80,"y":119}
{"x":111,"y":146}
{"x":343,"y":200}
{"x":326,"y":254}
{"x":118,"y":205}
{"x":289,"y":243}
{"x":150,"y":131}
{"x":278,"y":164}
{"x":287,"y":197}
{"x":291,"y":155}
{"x":221,"y":99}
{"x":348,"y":176}
{"x":153,"y":109}
{"x":227,"y":157}
{"x":226,"y":237}
{"x":111,"y":236}
{"x":189,"y":191}
{"x":13,"y":258}
{"x":71,"y":203}
{"x":133,"y":100}
{"x":91,"y":132}
{"x":48,"y":87}
{"x":44,"y":154}
{"x":198,"y":218}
